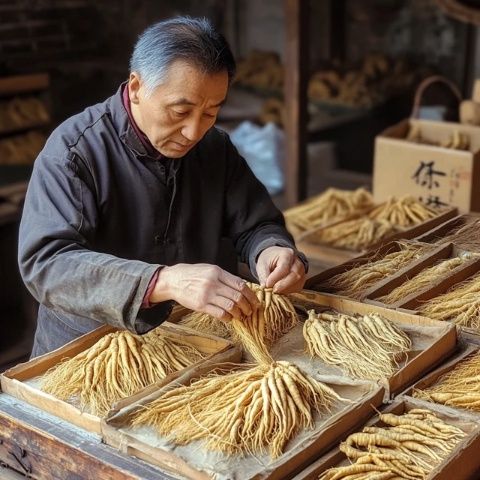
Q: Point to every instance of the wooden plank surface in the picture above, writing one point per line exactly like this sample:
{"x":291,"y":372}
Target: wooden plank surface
{"x":46,"y":448}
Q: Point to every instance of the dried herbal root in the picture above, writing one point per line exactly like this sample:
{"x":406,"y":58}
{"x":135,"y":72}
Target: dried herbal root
{"x":329,"y":206}
{"x":465,"y":236}
{"x":460,"y":387}
{"x":247,"y":411}
{"x":357,"y":234}
{"x":354,"y":282}
{"x":205,"y":323}
{"x":460,"y":304}
{"x":423,"y":279}
{"x":257,"y":332}
{"x":404,"y":212}
{"x":367,"y":347}
{"x":117,"y":366}
{"x":410,"y":446}
{"x":385,"y":220}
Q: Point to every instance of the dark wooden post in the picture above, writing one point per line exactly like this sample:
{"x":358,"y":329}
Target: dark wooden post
{"x":296,"y":78}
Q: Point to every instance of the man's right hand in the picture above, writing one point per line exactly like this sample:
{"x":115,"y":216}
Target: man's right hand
{"x":205,"y":288}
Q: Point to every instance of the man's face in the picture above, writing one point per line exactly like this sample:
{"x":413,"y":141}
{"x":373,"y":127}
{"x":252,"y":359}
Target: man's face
{"x":178,"y":113}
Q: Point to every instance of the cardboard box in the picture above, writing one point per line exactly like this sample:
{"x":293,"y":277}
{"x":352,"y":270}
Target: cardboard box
{"x":22,"y":381}
{"x":194,"y":462}
{"x":463,"y":463}
{"x":432,"y":341}
{"x":308,"y":244}
{"x":437,"y":175}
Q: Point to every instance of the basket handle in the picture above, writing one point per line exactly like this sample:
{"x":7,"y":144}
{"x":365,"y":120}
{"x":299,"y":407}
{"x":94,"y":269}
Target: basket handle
{"x":424,"y":84}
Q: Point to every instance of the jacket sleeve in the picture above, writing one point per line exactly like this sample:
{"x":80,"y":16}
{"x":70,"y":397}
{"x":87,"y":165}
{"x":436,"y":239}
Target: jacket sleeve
{"x":56,"y":261}
{"x":253,"y":221}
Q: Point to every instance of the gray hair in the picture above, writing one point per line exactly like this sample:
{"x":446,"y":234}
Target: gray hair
{"x":193,"y":40}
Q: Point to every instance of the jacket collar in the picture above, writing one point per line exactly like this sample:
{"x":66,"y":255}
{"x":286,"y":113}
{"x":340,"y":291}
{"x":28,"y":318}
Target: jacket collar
{"x":123,"y":126}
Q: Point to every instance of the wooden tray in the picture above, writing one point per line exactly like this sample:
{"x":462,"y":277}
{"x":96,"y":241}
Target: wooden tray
{"x":333,"y":255}
{"x":443,"y":252}
{"x":433,"y":341}
{"x":463,"y":463}
{"x":22,"y":380}
{"x":194,"y":462}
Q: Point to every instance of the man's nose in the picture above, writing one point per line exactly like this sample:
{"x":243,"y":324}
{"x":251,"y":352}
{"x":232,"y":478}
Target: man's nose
{"x":191,"y":130}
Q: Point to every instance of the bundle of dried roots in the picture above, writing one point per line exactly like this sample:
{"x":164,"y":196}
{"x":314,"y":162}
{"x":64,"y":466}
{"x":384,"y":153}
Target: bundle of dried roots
{"x":460,"y":387}
{"x":247,"y":411}
{"x":355,"y":281}
{"x":460,"y":305}
{"x":424,"y":279}
{"x":117,"y":366}
{"x":365,"y":347}
{"x":332,"y":205}
{"x":410,"y":447}
{"x":257,"y":332}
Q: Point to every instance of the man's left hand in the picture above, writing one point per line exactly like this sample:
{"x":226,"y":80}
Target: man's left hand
{"x":280,"y":268}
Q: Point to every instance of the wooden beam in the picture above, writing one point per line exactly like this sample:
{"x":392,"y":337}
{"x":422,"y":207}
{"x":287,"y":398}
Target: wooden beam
{"x":44,"y":447}
{"x":296,"y":78}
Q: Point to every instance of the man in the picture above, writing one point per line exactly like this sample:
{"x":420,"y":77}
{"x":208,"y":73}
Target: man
{"x":129,"y":199}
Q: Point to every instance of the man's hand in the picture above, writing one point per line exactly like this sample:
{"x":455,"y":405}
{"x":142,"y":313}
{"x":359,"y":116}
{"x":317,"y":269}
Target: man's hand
{"x":205,"y":288}
{"x":280,"y":268}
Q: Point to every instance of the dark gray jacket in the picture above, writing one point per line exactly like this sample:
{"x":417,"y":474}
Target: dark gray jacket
{"x":101,"y":216}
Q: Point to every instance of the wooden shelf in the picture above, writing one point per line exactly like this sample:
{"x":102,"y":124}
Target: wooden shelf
{"x":14,"y":85}
{"x":23,"y":129}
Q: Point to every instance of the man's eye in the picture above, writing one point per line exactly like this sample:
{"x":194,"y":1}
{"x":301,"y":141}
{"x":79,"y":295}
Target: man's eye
{"x":179,"y":113}
{"x":209,"y":115}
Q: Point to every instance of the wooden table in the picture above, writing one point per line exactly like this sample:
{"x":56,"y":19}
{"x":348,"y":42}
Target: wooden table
{"x":42,"y":446}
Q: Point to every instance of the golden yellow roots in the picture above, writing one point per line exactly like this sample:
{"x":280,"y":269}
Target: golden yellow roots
{"x":245,"y":411}
{"x":364,"y":347}
{"x":409,"y":447}
{"x":423,"y":279}
{"x":465,"y":237}
{"x":329,"y":206}
{"x":257,"y":332}
{"x":356,"y":234}
{"x":275,"y":317}
{"x":354,"y":282}
{"x":387,"y":219}
{"x":205,"y":323}
{"x":460,"y":305}
{"x":460,"y":387}
{"x":117,"y":366}
{"x":405,"y":212}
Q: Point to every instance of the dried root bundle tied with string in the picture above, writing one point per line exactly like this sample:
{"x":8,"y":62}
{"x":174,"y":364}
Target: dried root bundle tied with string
{"x":247,"y":411}
{"x":333,"y":204}
{"x":117,"y":366}
{"x":460,"y":387}
{"x":460,"y":305}
{"x":354,"y":282}
{"x":423,"y":279}
{"x":410,"y":446}
{"x":275,"y":317}
{"x":365,"y":347}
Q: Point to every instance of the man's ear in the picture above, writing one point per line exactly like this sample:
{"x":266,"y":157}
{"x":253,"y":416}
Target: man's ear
{"x":134,"y":87}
